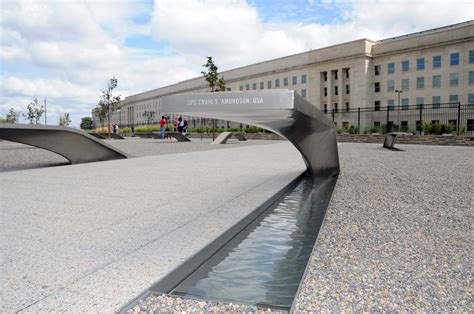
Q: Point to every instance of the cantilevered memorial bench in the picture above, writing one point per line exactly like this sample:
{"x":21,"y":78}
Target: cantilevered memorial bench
{"x":224,"y":136}
{"x":391,"y":138}
{"x":283,"y":112}
{"x":76,"y":146}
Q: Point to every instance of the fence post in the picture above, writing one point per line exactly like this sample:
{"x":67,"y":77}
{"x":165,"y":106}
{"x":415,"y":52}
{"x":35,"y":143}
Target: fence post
{"x":459,"y":118}
{"x":358,"y":120}
{"x":388,"y":118}
{"x":421,"y":118}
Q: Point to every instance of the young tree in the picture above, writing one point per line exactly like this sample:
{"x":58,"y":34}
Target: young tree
{"x":149,"y":115}
{"x":101,"y":114}
{"x":86,"y":123}
{"x":64,"y":120}
{"x":216,"y":84}
{"x":12,"y":116}
{"x":35,"y":111}
{"x":108,"y":102}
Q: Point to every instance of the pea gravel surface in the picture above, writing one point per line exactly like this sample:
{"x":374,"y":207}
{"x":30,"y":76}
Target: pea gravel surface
{"x":397,"y":235}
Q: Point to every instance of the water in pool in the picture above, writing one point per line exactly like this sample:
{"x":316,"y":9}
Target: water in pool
{"x":264,"y":263}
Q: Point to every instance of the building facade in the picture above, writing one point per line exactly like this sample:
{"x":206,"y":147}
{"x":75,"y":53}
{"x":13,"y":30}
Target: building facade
{"x":386,"y":79}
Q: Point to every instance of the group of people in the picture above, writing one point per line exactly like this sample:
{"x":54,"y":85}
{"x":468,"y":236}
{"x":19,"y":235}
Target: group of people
{"x":180,"y":125}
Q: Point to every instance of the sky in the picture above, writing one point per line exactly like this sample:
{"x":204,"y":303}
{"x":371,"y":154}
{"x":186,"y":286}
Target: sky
{"x":65,"y":51}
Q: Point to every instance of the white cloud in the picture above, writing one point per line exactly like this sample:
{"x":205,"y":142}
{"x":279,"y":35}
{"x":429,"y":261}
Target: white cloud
{"x":67,"y":50}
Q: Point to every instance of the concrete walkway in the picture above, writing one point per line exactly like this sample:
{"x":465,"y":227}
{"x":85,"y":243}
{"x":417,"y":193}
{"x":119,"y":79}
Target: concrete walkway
{"x":91,"y":237}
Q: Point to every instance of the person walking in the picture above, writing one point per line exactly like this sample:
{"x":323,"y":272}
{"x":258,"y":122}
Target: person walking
{"x":162,"y":127}
{"x":180,"y":125}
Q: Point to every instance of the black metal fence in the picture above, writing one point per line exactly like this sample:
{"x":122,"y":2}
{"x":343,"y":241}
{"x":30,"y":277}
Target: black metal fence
{"x":427,"y":118}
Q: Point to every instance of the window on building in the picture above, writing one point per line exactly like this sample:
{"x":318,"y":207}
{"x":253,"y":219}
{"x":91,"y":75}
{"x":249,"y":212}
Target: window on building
{"x":471,"y":56}
{"x":285,"y":81}
{"x":335,"y":75}
{"x":391,"y":68}
{"x":453,"y":79}
{"x":377,"y":87}
{"x":471,"y":77}
{"x":377,"y":105}
{"x":405,"y":104}
{"x":254,"y":86}
{"x":269,"y":84}
{"x":436,"y":62}
{"x":347,"y":73}
{"x":453,"y":100}
{"x":303,"y":79}
{"x":303,"y":92}
{"x":348,"y":106}
{"x":470,"y":124}
{"x":335,"y":107}
{"x":325,"y":91}
{"x":377,"y":70}
{"x":420,"y":83}
{"x":420,"y":102}
{"x":436,"y":81}
{"x":348,"y":89}
{"x":405,"y":66}
{"x":470,"y":99}
{"x":377,"y":123}
{"x":228,"y":89}
{"x":325,"y":108}
{"x":404,"y":126}
{"x":277,"y":83}
{"x":262,"y":85}
{"x":436,"y":101}
{"x":391,"y":104}
{"x":241,"y":88}
{"x":294,"y":80}
{"x":405,"y":84}
{"x":390,"y":85}
{"x":247,"y":87}
{"x":325,"y":76}
{"x":420,"y":63}
{"x":336,"y":91}
{"x":455,"y":58}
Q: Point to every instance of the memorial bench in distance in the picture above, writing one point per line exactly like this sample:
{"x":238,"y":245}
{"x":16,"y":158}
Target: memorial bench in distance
{"x":224,"y":136}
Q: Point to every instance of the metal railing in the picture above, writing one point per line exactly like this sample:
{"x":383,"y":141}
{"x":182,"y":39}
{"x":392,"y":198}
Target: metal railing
{"x":436,"y":118}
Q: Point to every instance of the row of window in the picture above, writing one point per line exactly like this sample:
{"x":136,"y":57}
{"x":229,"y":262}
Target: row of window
{"x":454,"y":60}
{"x":336,"y":90}
{"x":420,"y":82}
{"x":420,"y":101}
{"x":294,"y":81}
{"x":334,"y":74}
{"x":405,"y":103}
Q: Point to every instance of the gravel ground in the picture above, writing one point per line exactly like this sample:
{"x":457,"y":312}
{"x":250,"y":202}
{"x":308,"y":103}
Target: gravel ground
{"x":15,"y":156}
{"x":164,"y":303}
{"x":398,"y":233}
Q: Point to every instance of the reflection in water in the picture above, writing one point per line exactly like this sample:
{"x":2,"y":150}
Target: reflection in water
{"x":265,"y":262}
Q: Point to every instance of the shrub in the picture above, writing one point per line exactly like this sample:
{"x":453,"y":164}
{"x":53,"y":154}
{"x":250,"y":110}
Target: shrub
{"x":443,"y":129}
{"x":436,"y":129}
{"x":374,"y":129}
{"x":252,"y":129}
{"x":450,"y":128}
{"x":339,"y":130}
{"x":353,"y":130}
{"x":427,"y":127}
{"x":147,"y":128}
{"x":462,"y":130}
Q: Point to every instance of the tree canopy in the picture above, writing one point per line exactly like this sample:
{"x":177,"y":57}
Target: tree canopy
{"x":216,"y":84}
{"x":35,"y":111}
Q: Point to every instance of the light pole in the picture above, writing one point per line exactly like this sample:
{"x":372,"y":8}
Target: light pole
{"x":398,"y":123}
{"x":120,"y":118}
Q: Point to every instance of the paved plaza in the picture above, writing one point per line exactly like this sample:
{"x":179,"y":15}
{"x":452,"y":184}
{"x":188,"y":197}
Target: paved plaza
{"x":91,"y":237}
